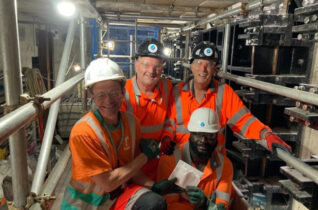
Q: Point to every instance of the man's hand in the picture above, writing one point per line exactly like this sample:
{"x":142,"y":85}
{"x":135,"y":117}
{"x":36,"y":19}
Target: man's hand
{"x":167,"y":145}
{"x":196,"y":196}
{"x":149,"y":147}
{"x":273,"y":141}
{"x":166,"y":186}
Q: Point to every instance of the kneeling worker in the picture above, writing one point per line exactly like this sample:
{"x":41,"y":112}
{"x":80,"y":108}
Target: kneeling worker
{"x":104,"y":143}
{"x":200,"y":153}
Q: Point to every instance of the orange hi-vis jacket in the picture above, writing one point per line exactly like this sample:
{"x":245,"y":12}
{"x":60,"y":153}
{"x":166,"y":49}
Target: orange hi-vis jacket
{"x":217,"y":177}
{"x":151,"y":112}
{"x":223,"y":100}
{"x":93,"y":153}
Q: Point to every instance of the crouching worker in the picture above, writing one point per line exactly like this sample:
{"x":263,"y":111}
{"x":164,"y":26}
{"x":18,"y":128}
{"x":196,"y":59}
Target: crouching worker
{"x":215,"y":185}
{"x":106,"y":158}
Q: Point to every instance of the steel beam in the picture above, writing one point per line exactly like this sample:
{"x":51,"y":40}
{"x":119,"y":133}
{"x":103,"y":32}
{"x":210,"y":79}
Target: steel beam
{"x":51,"y":121}
{"x":9,"y":42}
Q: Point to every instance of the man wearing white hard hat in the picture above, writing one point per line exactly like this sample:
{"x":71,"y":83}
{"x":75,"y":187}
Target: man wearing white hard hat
{"x":106,"y":152}
{"x":214,"y":188}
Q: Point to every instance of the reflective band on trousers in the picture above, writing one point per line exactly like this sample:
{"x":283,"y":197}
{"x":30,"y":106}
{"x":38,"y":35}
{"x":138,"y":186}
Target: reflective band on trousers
{"x":135,"y":197}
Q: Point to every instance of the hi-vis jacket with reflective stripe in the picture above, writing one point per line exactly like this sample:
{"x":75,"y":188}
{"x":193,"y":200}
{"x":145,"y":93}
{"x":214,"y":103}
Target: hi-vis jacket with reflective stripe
{"x":217,"y":177}
{"x":219,"y":97}
{"x":151,"y":112}
{"x":92,"y":154}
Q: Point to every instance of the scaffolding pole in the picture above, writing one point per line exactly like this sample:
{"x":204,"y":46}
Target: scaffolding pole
{"x":40,"y":171}
{"x":9,"y":40}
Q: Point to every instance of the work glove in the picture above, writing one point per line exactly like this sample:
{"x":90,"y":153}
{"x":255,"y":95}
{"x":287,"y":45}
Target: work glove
{"x":214,"y":206}
{"x":196,"y":197}
{"x":167,"y":145}
{"x":149,"y":147}
{"x":273,"y":141}
{"x":166,"y":186}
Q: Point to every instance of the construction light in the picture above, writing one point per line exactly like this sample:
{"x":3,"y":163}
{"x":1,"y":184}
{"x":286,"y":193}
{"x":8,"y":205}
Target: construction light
{"x":77,"y":67}
{"x":66,"y":8}
{"x":110,"y":45}
{"x":167,"y":51}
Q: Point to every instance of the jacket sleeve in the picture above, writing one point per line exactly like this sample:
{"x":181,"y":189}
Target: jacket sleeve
{"x":169,"y":128}
{"x":239,"y":118}
{"x":224,"y":187}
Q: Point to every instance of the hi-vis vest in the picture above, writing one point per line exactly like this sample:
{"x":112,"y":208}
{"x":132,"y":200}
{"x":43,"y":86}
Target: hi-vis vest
{"x":151,"y":127}
{"x":216,"y":165}
{"x":84,"y":195}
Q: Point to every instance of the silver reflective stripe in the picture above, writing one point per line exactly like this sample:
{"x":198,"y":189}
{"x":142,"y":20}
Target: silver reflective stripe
{"x":132,"y":126}
{"x":86,"y":187}
{"x":170,"y":122}
{"x":165,"y":89}
{"x":219,"y":99}
{"x":135,"y":197}
{"x":220,"y":147}
{"x":128,"y":104}
{"x":182,"y":129}
{"x":186,"y":154}
{"x":151,"y":128}
{"x":222,"y":195}
{"x":169,"y":129}
{"x":177,"y":100}
{"x":136,"y":90}
{"x":89,"y":120}
{"x":177,"y":155}
{"x":246,"y":125}
{"x":237,"y":116}
{"x":219,"y":170}
{"x":263,"y":132}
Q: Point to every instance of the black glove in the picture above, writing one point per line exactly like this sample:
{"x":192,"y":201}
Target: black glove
{"x":149,"y":147}
{"x":167,"y":145}
{"x":166,"y":186}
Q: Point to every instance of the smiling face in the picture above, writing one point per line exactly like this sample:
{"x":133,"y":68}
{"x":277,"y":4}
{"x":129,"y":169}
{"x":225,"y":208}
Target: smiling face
{"x":203,"y":70}
{"x":148,"y":70}
{"x":107,"y":95}
{"x":203,"y":144}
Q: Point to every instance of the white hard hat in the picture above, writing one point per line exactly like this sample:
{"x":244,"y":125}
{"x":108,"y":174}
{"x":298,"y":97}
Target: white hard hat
{"x":102,"y":69}
{"x":204,"y":120}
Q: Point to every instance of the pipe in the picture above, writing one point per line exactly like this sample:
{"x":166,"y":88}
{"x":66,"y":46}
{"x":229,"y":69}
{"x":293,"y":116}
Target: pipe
{"x":55,"y":175}
{"x":15,"y":120}
{"x":236,"y":11}
{"x":306,"y":97}
{"x":226,"y":46}
{"x":131,"y":44}
{"x":126,"y":16}
{"x":298,"y":165}
{"x":83,"y":59}
{"x":51,"y":121}
{"x":9,"y":42}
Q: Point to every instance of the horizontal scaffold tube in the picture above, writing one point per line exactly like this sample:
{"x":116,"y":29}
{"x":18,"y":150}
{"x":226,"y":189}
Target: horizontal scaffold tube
{"x":298,"y":95}
{"x":18,"y":118}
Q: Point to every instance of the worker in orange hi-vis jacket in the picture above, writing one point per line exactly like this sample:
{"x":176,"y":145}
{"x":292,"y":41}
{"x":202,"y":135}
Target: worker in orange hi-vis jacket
{"x":147,"y":96}
{"x":214,"y":188}
{"x":203,"y":90}
{"x":107,"y":152}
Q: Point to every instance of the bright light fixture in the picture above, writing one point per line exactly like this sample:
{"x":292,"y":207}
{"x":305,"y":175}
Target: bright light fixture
{"x":167,"y":51}
{"x":110,"y":45}
{"x":77,"y":67}
{"x":66,"y":8}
